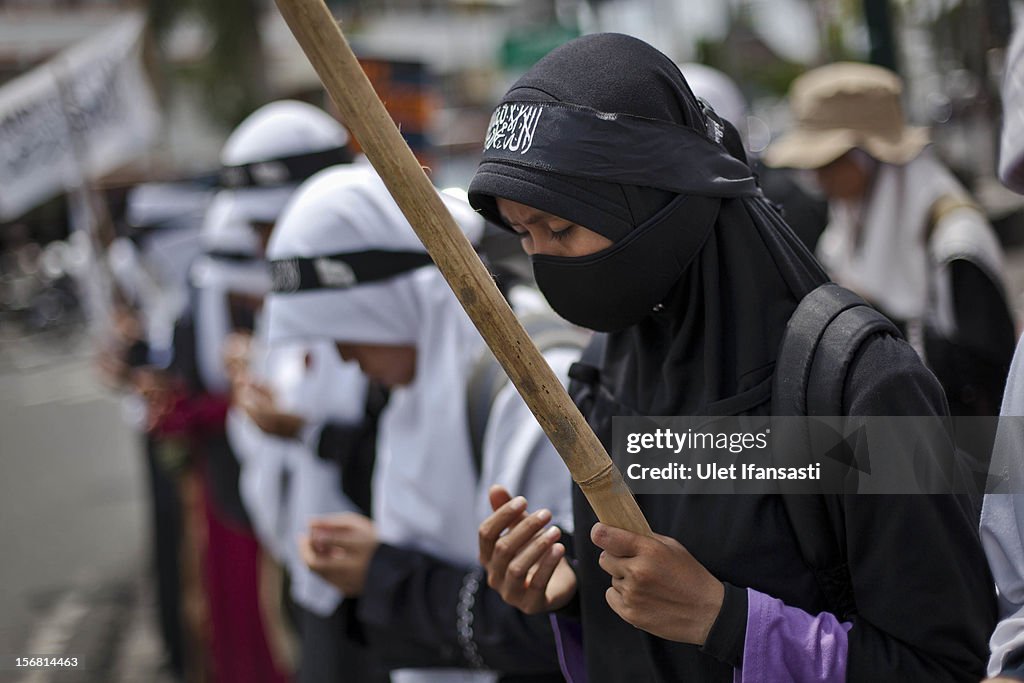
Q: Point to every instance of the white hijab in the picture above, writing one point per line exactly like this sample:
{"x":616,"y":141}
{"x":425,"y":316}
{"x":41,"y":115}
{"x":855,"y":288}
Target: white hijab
{"x":275,"y":130}
{"x":424,"y":479}
{"x":214,"y":278}
{"x":427,"y":495}
{"x":284,"y":485}
{"x":891,"y":265}
{"x":170,"y":216}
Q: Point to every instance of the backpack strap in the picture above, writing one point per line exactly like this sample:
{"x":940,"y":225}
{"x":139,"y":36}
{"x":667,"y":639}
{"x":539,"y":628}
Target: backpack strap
{"x":840,"y":343}
{"x":487,"y":378}
{"x":587,"y":370}
{"x":485,"y":382}
{"x":823,"y":336}
{"x":805,"y":329}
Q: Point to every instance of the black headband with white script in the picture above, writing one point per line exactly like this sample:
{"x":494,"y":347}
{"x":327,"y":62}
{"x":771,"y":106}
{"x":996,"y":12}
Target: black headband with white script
{"x":620,"y":148}
{"x":342,"y":271}
{"x":283,"y":170}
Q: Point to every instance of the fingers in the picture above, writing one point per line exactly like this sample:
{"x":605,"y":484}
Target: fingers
{"x":340,"y":570}
{"x":498,"y":496}
{"x":509,"y":546}
{"x":320,"y":539}
{"x":251,"y":402}
{"x":615,"y":567}
{"x":315,"y":561}
{"x":523,"y":563}
{"x":615,"y":600}
{"x":671,"y":542}
{"x":342,"y":531}
{"x":328,"y":521}
{"x":518,"y":583}
{"x":545,"y":569}
{"x":618,"y":542}
{"x":518,"y":550}
{"x":491,"y":529}
{"x":261,"y":390}
{"x":319,"y":544}
{"x":340,"y":521}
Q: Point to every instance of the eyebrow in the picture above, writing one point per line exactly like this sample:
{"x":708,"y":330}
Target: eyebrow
{"x":531,"y":219}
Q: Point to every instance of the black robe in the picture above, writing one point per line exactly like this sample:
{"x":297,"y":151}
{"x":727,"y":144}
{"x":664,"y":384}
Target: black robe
{"x":922,"y":586}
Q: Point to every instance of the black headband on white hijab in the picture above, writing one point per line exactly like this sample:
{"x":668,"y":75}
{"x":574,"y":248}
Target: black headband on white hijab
{"x":286,"y":170}
{"x":342,"y":271}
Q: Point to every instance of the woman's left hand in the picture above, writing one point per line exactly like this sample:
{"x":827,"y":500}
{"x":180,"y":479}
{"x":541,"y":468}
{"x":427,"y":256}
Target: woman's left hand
{"x":339,"y":549}
{"x":258,"y":402}
{"x":657,"y":585}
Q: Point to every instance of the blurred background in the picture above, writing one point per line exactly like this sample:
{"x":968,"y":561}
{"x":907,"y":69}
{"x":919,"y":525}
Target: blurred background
{"x":98,"y":96}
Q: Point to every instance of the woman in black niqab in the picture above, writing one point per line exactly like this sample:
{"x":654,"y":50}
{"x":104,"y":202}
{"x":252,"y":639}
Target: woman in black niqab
{"x":728,"y":251}
{"x":695,"y":292}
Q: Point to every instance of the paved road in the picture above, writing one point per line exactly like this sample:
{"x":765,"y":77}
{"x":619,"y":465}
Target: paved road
{"x":73,"y":520}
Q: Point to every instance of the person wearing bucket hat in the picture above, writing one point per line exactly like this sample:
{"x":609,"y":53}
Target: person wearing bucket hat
{"x":844,"y":106}
{"x":349,"y":269}
{"x":903,"y":232}
{"x":642,"y":219}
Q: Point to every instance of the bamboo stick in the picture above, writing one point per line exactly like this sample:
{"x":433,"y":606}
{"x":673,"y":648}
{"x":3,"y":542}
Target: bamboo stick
{"x":366,"y":117}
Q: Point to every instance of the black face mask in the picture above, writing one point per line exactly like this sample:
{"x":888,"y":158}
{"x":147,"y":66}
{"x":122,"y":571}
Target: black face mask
{"x":620,"y":286}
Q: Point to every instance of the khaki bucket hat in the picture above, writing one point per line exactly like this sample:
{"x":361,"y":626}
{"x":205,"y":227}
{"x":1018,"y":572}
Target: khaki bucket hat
{"x":842,"y":106}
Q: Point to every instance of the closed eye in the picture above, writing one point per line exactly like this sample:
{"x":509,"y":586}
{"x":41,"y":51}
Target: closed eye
{"x":559,"y":235}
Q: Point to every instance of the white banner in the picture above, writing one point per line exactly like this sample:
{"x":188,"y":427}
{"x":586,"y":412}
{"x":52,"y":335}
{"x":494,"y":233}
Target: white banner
{"x":81,"y":115}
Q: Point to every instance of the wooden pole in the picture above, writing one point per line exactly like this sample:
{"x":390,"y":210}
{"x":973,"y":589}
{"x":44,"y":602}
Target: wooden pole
{"x":364,"y":114}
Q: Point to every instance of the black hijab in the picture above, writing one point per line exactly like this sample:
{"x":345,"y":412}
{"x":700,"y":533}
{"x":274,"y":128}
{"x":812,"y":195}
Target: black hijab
{"x":673,"y":192}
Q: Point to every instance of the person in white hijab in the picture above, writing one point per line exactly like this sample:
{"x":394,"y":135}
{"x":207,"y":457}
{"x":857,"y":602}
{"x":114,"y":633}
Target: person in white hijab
{"x":150,"y":264}
{"x":903,"y":233}
{"x":280,"y":396}
{"x":274,"y":150}
{"x":263,"y":162}
{"x":229,"y":279}
{"x":1002,"y":516}
{"x":347,"y":267}
{"x":285,"y":483}
{"x":151,"y":261}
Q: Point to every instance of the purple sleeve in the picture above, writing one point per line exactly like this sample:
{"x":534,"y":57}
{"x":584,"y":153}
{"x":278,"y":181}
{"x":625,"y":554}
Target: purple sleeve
{"x":786,"y":643}
{"x":569,"y":643}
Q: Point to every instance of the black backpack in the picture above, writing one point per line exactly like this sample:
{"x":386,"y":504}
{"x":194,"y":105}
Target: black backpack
{"x":823,"y":336}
